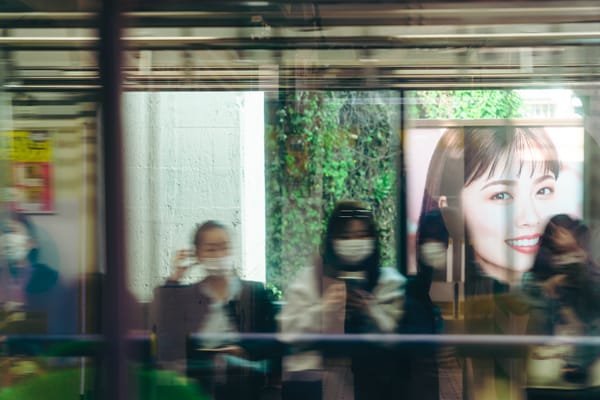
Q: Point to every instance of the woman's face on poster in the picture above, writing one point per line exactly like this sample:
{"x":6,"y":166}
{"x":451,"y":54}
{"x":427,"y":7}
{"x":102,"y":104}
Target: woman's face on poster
{"x":505,"y":213}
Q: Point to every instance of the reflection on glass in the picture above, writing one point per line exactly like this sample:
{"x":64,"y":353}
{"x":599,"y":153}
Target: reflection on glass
{"x":346,"y":291}
{"x":488,"y":190}
{"x":218,"y":306}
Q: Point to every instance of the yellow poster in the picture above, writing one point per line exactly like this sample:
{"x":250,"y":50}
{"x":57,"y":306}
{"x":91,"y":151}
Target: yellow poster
{"x":30,"y":155}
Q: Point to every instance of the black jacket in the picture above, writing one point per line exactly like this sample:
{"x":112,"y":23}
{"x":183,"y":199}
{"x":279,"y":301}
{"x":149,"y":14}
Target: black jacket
{"x":180,"y":310}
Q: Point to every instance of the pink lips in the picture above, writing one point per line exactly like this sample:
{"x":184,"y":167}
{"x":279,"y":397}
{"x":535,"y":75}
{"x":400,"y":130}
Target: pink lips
{"x":527,"y":244}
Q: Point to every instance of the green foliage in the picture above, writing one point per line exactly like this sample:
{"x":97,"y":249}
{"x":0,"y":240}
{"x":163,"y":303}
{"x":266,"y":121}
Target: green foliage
{"x":321,"y":148}
{"x":65,"y":383}
{"x":466,"y":104}
{"x":274,"y":291}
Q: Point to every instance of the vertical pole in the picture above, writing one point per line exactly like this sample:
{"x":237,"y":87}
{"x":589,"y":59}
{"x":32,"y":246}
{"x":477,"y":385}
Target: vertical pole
{"x":114,"y":293}
{"x":402,"y":215}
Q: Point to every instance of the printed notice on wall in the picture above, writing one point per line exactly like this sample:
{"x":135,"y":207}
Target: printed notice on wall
{"x":29,"y":153}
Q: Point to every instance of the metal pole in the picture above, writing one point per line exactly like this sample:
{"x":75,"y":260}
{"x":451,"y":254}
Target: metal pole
{"x":402,"y":220}
{"x":114,"y":294}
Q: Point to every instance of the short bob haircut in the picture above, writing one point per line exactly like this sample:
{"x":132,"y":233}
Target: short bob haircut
{"x":342,"y":214}
{"x":205,"y":227}
{"x":463,"y":155}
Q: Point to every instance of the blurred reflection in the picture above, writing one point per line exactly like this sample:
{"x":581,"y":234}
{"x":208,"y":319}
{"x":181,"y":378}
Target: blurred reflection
{"x":432,"y":247}
{"x":562,"y":290}
{"x":499,"y":183}
{"x":346,"y":291}
{"x":206,"y":296}
{"x":421,"y":314}
{"x":32,"y":295}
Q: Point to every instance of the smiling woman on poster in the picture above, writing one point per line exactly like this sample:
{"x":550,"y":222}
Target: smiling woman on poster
{"x":500,"y":184}
{"x":495,"y":188}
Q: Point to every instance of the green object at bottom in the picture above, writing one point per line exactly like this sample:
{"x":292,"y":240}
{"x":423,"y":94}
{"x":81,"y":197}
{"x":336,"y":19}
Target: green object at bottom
{"x":65,"y":384}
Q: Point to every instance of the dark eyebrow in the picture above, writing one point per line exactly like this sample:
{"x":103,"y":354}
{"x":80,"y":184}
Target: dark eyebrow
{"x":512,"y":182}
{"x":544,"y":177}
{"x":505,"y":182}
{"x":360,"y":232}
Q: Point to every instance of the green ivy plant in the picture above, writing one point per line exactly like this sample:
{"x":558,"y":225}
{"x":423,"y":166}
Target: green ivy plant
{"x":466,"y":104}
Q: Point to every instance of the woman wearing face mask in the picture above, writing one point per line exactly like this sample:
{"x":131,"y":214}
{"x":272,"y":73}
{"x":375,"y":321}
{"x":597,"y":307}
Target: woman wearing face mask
{"x":495,"y":188}
{"x":562,"y":290}
{"x":26,"y":285}
{"x":346,"y":291}
{"x":218,"y":303}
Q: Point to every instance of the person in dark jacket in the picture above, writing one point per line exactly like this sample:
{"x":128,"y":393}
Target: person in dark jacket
{"x":32,"y":295}
{"x":217,"y":305}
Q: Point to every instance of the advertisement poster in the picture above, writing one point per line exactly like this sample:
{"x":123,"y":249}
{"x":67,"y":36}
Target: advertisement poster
{"x":562,"y":193}
{"x":29,"y":154}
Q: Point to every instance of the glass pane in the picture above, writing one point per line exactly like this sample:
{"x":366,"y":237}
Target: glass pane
{"x":263,"y":116}
{"x":50,"y":262}
{"x":485,"y":197}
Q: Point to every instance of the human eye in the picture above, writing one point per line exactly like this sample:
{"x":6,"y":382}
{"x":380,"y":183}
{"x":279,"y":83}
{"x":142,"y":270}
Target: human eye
{"x":363,"y":235}
{"x":225,"y":247}
{"x":545,"y":191}
{"x":545,"y":187}
{"x":501,"y":196}
{"x":211,"y":248}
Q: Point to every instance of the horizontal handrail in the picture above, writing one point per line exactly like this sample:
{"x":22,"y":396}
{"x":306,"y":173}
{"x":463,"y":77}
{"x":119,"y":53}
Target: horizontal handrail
{"x":405,"y":339}
{"x":71,"y":345}
{"x":50,"y":345}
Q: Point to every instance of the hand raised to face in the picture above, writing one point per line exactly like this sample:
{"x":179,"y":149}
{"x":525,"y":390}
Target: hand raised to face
{"x":181,"y":263}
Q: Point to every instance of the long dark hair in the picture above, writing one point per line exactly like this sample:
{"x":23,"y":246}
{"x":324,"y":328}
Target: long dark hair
{"x":342,"y":214}
{"x":431,"y":229}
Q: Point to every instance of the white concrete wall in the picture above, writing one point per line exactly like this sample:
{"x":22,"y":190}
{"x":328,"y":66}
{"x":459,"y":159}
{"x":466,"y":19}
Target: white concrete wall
{"x":252,"y":183}
{"x":184,"y":165}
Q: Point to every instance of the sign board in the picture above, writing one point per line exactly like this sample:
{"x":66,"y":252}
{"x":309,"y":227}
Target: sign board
{"x":29,"y":155}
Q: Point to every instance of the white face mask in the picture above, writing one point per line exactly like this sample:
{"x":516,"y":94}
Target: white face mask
{"x":218,"y":266}
{"x":434,"y":254}
{"x":14,"y":247}
{"x":353,"y":251}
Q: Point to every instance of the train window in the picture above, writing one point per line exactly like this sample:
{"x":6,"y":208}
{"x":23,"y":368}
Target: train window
{"x":282,"y":199}
{"x":446,"y":126}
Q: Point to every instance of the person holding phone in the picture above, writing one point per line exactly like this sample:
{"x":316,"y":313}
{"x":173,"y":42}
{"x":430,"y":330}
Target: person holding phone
{"x":219,"y":305}
{"x":562,"y":290}
{"x":346,"y":291}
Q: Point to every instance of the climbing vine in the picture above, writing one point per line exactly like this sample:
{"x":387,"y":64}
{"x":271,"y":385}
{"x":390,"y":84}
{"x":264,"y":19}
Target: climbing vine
{"x":466,"y":104}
